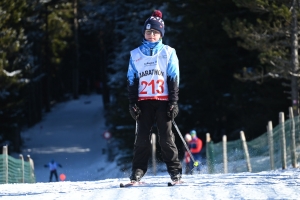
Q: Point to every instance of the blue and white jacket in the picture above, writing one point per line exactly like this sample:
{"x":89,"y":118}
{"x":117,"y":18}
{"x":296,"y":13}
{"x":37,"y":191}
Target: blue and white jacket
{"x":172,"y":72}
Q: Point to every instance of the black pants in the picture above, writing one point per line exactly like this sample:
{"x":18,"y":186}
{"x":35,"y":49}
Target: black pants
{"x":53,"y":172}
{"x":154,"y":111}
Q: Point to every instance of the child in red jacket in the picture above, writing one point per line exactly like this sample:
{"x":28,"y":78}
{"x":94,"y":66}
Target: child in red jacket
{"x":195,"y":146}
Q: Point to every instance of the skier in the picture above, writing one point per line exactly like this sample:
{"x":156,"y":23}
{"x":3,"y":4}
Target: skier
{"x":195,"y":146}
{"x":53,"y":169}
{"x":153,"y":88}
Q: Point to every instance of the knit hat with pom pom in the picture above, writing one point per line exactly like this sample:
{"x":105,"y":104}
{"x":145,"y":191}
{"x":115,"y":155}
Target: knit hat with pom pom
{"x":155,"y":22}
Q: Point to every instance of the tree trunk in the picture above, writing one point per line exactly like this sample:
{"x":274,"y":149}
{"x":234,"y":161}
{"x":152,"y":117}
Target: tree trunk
{"x":295,"y":62}
{"x":76,"y":61}
{"x":47,"y":66}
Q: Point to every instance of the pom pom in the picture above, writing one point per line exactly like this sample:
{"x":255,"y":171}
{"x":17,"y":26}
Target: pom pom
{"x":157,"y":13}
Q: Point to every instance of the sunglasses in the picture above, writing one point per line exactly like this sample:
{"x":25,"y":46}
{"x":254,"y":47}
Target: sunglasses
{"x":149,"y":32}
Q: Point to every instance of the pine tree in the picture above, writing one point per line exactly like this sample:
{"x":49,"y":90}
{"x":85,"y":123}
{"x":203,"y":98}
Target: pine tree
{"x":13,"y":62}
{"x":27,"y":29}
{"x":274,"y":35}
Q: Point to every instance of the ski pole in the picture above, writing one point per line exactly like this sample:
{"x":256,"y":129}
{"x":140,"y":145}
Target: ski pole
{"x":136,"y":127}
{"x":196,"y":163}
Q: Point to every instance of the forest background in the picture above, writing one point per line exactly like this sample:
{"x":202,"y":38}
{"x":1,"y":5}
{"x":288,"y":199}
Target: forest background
{"x":238,"y":64}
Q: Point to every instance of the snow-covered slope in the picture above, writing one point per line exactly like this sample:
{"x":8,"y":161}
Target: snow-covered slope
{"x":72,"y":135}
{"x":264,"y":185}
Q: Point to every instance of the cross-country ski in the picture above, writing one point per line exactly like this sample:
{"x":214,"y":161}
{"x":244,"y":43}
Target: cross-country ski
{"x":175,"y":183}
{"x":122,"y":185}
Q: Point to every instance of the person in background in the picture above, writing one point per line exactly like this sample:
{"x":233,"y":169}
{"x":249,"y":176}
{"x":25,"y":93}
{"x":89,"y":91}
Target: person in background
{"x":52,"y":165}
{"x":187,"y":157}
{"x":153,"y":90}
{"x":195,"y":146}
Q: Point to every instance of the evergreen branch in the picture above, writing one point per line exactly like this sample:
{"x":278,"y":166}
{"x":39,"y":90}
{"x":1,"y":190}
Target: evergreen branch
{"x":294,"y":74}
{"x":259,"y":78}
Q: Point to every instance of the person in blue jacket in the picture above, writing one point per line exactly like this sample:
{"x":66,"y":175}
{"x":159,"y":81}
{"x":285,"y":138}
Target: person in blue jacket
{"x":153,"y":88}
{"x":52,"y":165}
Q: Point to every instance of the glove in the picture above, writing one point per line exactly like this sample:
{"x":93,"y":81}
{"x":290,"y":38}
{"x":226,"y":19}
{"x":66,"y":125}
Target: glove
{"x":172,"y":110}
{"x":135,"y":111}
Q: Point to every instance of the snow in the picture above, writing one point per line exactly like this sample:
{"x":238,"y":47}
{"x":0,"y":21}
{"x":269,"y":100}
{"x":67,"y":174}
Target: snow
{"x":72,"y":134}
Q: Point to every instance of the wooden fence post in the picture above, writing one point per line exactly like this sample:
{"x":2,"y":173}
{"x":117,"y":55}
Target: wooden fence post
{"x":22,"y":168}
{"x":209,"y":154}
{"x":283,"y":141}
{"x":225,"y":162}
{"x":207,"y":151}
{"x":293,"y":138}
{"x":31,"y":168}
{"x":271,"y":144}
{"x":153,"y":141}
{"x":5,"y":163}
{"x":246,"y":152}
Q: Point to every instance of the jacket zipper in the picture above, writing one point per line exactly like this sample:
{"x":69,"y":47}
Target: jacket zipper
{"x":151,"y":51}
